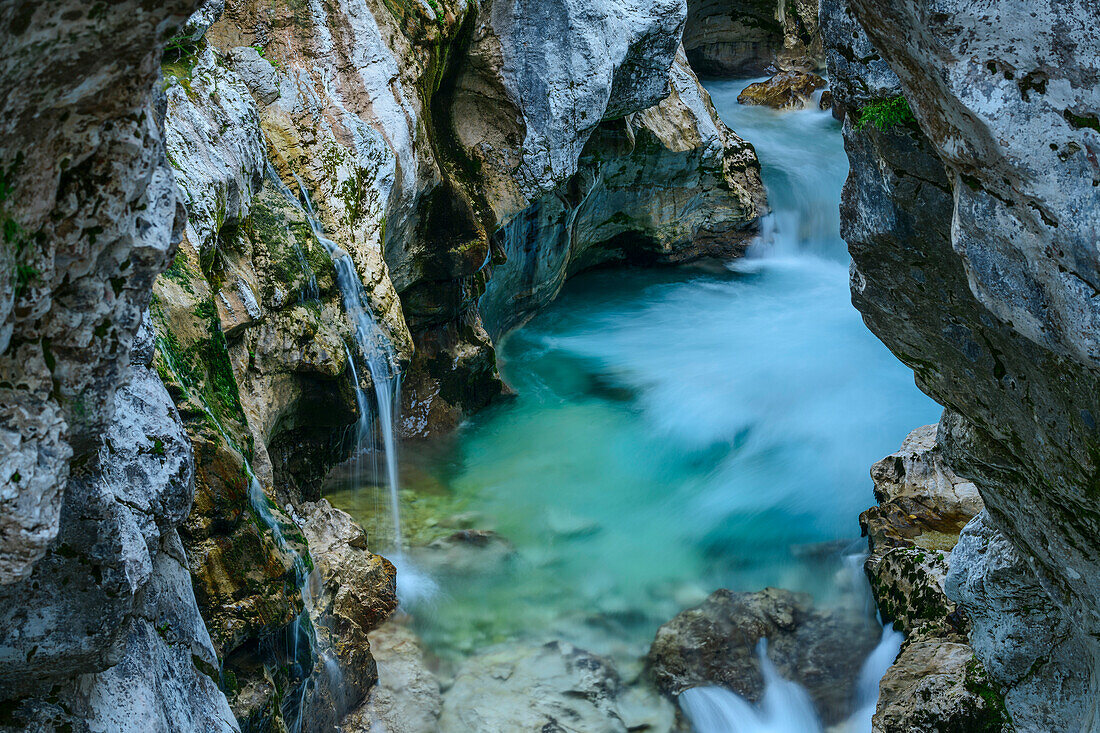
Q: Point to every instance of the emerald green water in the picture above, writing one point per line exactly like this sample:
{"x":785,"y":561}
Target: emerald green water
{"x":672,"y":432}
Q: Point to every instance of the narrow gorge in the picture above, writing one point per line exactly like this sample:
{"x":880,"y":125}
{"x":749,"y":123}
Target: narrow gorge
{"x":548,"y":365}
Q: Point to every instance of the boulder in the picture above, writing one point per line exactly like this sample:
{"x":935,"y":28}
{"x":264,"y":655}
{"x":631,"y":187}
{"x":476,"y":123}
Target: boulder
{"x":715,"y":644}
{"x":786,"y":90}
{"x":938,"y":686}
{"x":352,"y":593}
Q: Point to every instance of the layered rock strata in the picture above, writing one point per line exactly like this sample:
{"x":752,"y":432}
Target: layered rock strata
{"x":936,"y":683}
{"x":970,"y":224}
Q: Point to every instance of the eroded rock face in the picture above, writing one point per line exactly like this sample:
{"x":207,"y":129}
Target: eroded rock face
{"x":938,"y":685}
{"x":665,"y":184}
{"x":738,"y":38}
{"x":363,"y":108}
{"x":101,"y":629}
{"x":88,"y":211}
{"x":923,"y":506}
{"x":107,"y":622}
{"x":970,"y":229}
{"x":715,"y":644}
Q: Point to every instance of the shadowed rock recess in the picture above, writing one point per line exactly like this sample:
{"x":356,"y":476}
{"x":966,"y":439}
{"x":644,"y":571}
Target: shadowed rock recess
{"x":972,"y":224}
{"x":175,"y":357}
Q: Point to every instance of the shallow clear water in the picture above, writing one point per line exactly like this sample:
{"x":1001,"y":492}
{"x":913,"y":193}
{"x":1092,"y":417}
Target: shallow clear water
{"x":673,"y":431}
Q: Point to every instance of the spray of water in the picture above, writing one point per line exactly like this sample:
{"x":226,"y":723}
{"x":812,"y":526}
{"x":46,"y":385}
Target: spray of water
{"x":786,"y":707}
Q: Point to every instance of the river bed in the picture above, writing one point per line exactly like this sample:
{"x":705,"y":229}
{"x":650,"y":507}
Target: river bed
{"x":673,"y":431}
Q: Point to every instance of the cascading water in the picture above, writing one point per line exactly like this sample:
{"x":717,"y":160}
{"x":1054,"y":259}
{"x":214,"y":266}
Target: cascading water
{"x":674,"y":431}
{"x":786,"y":707}
{"x":376,"y":352}
{"x":310,"y":291}
{"x":381,"y":361}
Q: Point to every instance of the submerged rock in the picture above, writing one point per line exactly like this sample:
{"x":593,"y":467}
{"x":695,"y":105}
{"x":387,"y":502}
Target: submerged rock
{"x":407,"y":697}
{"x":715,"y":644}
{"x":549,"y":687}
{"x":787,"y":90}
{"x":466,"y":552}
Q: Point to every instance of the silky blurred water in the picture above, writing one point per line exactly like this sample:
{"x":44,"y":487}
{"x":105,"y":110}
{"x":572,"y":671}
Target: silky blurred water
{"x":676,"y":431}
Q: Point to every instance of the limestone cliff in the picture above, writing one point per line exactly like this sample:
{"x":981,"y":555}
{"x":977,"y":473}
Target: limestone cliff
{"x":98,"y":609}
{"x":971,"y":221}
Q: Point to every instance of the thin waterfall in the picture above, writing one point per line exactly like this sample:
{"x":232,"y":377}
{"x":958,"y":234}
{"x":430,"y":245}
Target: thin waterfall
{"x":381,"y":361}
{"x":310,"y":291}
{"x":378,"y":355}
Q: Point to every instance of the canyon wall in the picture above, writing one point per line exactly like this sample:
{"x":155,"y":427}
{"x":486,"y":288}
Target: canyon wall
{"x":98,"y":608}
{"x":971,"y":222}
{"x":164,"y":560}
{"x":739,"y":38}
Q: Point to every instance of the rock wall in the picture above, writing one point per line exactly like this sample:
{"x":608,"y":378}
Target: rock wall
{"x":971,"y":224}
{"x":98,"y":606}
{"x":664,"y":184}
{"x":737,"y":38}
{"x":936,"y":683}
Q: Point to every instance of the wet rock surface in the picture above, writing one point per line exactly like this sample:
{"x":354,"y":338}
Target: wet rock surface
{"x":923,"y":506}
{"x":786,"y":90}
{"x":936,"y":683}
{"x":554,"y":686}
{"x":966,"y":226}
{"x":716,"y":644}
{"x":353,"y":593}
{"x":665,"y":184}
{"x":107,"y":622}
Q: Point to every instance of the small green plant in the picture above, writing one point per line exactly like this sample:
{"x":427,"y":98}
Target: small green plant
{"x":179,"y":47}
{"x":14,"y":238}
{"x":885,"y":113}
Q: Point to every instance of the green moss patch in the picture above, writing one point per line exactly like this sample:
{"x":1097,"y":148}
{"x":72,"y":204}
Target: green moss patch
{"x":885,"y":114}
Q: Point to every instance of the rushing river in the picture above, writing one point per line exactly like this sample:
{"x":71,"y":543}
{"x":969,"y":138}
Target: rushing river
{"x":674,"y":431}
